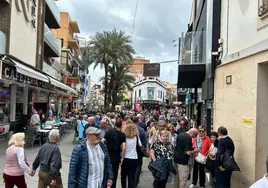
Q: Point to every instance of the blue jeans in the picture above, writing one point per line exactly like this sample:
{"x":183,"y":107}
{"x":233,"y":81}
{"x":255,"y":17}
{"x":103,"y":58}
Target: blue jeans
{"x":223,"y":178}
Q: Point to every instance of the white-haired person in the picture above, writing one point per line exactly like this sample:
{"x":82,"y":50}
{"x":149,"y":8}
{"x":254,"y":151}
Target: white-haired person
{"x":16,"y":162}
{"x":49,"y":161}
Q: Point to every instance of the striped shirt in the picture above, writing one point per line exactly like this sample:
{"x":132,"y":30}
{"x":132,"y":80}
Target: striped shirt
{"x":96,"y":166}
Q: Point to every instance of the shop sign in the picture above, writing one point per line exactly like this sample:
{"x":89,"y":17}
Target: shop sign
{"x":9,"y":72}
{"x":28,"y":8}
{"x":73,"y":80}
{"x":41,"y":98}
{"x":149,"y":102}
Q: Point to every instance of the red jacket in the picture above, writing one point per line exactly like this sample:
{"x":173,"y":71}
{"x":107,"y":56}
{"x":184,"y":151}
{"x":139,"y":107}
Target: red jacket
{"x":206,"y":143}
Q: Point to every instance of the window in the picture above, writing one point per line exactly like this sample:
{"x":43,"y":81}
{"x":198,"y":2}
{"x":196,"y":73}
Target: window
{"x":263,"y":7}
{"x":140,"y":93}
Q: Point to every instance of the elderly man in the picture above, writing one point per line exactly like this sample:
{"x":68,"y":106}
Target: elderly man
{"x":91,"y":122}
{"x":182,"y":153}
{"x":104,"y":128}
{"x":49,"y":160}
{"x":90,"y":165}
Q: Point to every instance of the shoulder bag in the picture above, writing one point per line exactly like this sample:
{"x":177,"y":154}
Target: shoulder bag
{"x":228,"y":161}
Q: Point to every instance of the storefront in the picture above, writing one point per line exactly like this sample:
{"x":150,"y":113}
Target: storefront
{"x":24,"y":88}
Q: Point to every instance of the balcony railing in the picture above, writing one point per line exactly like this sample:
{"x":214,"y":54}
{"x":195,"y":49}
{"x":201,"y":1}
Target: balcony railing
{"x":55,"y":44}
{"x":54,"y":10}
{"x":51,"y":71}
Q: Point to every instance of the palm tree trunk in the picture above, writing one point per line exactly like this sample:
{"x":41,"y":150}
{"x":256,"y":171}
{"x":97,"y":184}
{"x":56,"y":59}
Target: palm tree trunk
{"x":106,"y":87}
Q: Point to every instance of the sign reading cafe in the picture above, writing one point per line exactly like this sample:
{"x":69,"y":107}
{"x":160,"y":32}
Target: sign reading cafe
{"x":9,"y":72}
{"x":28,"y":8}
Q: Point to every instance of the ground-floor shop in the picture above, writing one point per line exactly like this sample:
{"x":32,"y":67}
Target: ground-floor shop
{"x":241,"y":105}
{"x":23,"y":88}
{"x":149,"y":105}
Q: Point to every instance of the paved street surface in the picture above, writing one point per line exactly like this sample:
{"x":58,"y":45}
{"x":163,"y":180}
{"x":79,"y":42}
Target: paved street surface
{"x":66,"y":147}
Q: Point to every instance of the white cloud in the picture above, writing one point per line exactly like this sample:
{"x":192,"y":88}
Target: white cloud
{"x":157,"y":24}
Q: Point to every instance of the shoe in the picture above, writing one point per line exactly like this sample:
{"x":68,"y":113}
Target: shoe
{"x":192,"y":186}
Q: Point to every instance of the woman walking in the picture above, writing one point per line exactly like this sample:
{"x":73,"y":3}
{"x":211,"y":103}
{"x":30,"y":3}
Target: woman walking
{"x":16,"y":162}
{"x":129,"y":164}
{"x":162,"y":154}
{"x":202,"y":143}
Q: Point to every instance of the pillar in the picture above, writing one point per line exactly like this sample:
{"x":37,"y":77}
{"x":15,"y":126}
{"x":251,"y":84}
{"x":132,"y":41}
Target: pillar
{"x":25,"y":100}
{"x":13,"y":100}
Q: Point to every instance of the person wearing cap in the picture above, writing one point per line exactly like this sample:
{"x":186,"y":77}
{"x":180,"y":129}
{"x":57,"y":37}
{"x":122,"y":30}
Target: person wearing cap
{"x":90,"y":164}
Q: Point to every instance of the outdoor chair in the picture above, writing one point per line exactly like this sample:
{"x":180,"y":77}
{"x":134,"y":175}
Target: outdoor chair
{"x":31,"y":136}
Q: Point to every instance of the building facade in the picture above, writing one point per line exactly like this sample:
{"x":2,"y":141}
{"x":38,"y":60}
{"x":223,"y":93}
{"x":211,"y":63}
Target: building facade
{"x":241,"y":79}
{"x":148,"y":93}
{"x":23,"y":83}
{"x":137,"y":65}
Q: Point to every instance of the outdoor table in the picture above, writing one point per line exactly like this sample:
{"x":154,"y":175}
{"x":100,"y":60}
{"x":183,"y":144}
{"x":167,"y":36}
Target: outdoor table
{"x":68,"y":120}
{"x":42,"y":133}
{"x":48,"y":128}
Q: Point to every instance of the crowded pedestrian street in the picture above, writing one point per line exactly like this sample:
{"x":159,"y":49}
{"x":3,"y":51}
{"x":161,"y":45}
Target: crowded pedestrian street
{"x":66,"y":146}
{"x":133,"y":93}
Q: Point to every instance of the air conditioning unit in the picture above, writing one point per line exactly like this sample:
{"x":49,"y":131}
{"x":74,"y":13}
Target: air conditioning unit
{"x":5,"y":1}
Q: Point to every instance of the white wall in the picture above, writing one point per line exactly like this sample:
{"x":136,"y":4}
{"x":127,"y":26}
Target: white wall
{"x":144,"y":91}
{"x":244,"y":25}
{"x":23,"y":36}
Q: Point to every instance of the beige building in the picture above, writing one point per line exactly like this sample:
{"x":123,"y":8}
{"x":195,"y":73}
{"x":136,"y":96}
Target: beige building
{"x":241,"y":86}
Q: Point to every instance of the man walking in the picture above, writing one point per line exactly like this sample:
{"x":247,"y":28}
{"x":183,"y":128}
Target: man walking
{"x":116,"y":142}
{"x":90,"y":165}
{"x":182,"y":152}
{"x":49,"y":160}
{"x":81,"y":128}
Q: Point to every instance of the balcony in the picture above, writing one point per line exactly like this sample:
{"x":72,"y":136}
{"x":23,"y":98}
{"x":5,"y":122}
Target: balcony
{"x":52,"y":14}
{"x":73,"y":44}
{"x":52,"y":45}
{"x":51,"y":71}
{"x":74,"y":27}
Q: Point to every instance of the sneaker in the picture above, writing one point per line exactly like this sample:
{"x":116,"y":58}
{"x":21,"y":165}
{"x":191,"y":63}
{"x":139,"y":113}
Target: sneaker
{"x":192,"y":186}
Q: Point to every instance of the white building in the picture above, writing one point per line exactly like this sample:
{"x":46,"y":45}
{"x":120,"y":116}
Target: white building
{"x":148,"y":93}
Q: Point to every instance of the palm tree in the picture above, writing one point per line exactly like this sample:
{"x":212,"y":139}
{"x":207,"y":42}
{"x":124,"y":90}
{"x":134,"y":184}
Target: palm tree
{"x":106,"y":49}
{"x":119,"y":80}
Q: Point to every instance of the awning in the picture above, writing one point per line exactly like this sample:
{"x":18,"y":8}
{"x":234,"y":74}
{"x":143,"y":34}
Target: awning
{"x":30,"y":72}
{"x":15,"y":70}
{"x":191,"y":75}
{"x":62,"y":87}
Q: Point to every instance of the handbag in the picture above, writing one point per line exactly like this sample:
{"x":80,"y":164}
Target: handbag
{"x":228,"y":161}
{"x":200,"y":158}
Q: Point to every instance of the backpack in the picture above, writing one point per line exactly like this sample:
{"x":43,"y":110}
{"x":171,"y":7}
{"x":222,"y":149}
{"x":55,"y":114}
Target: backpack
{"x":85,"y":128}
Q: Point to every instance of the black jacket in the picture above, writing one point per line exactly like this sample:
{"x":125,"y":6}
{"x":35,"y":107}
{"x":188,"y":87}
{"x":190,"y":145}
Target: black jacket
{"x":225,"y":144}
{"x":161,"y":169}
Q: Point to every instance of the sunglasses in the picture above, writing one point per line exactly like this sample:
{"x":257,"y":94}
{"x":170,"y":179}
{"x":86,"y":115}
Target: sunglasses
{"x":201,"y":131}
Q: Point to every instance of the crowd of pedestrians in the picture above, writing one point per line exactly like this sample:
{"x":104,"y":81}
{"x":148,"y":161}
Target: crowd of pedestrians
{"x":109,"y":142}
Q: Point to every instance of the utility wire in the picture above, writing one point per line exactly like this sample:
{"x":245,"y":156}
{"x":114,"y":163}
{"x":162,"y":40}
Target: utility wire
{"x":134,"y":21}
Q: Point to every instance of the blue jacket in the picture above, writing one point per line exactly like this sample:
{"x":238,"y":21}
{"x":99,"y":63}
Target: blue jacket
{"x":79,"y":167}
{"x":142,"y":135}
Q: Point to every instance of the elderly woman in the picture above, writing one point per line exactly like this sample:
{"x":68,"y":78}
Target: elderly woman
{"x":162,"y":149}
{"x":130,"y":161}
{"x":202,"y":143}
{"x":16,"y":162}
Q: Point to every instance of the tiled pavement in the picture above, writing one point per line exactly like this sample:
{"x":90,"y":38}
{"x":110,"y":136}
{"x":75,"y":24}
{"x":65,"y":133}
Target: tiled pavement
{"x":66,"y":147}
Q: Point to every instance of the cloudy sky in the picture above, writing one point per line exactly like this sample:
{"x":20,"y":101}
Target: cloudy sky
{"x":158,"y":23}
